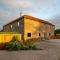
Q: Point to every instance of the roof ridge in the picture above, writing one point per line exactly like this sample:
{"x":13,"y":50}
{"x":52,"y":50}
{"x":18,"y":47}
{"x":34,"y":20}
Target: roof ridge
{"x":30,"y":17}
{"x":41,"y":20}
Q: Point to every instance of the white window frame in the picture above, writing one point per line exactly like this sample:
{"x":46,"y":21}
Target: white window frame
{"x":11,"y":26}
{"x":18,"y":24}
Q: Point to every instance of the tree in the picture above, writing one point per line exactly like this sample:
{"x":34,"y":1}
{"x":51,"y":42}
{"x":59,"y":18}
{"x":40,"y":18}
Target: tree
{"x":57,"y":31}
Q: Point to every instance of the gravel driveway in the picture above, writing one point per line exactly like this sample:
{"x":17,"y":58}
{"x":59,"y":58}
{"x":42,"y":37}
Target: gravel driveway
{"x":51,"y":51}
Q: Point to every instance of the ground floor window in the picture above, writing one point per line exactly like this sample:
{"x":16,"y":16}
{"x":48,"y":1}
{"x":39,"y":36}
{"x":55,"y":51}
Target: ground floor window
{"x":29,"y":34}
{"x":39,"y":34}
{"x":49,"y":34}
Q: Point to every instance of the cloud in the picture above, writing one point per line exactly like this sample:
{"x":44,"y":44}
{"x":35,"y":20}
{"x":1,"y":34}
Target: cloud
{"x":45,"y":9}
{"x":13,"y":4}
{"x":10,"y":9}
{"x":56,"y":21}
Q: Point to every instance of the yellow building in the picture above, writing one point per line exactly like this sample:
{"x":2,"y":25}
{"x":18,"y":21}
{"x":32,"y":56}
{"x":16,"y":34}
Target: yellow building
{"x":31,"y":28}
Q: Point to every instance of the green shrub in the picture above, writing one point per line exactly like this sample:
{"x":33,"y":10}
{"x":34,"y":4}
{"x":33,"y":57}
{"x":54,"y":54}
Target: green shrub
{"x":14,"y":44}
{"x":29,"y":44}
{"x":22,"y":45}
{"x":34,"y":47}
{"x":14,"y":39}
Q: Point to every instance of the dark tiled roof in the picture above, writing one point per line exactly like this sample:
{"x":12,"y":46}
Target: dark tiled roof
{"x":15,"y":20}
{"x":29,"y":17}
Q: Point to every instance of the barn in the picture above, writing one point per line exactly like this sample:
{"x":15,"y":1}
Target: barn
{"x":31,"y":28}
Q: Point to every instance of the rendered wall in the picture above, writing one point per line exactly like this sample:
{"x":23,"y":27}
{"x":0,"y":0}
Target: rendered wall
{"x":33,"y":27}
{"x":36,"y":27}
{"x":7,"y":36}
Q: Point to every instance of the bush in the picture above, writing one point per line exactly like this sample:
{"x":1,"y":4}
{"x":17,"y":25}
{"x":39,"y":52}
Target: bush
{"x":25,"y":45}
{"x":57,"y":31}
{"x":22,"y":45}
{"x":34,"y":47}
{"x":14,"y":44}
{"x":29,"y":44}
{"x":14,"y":39}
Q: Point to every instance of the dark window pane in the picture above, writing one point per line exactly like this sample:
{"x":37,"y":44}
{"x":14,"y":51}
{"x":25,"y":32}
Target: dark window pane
{"x":39,"y":34}
{"x":49,"y":34}
{"x":29,"y":34}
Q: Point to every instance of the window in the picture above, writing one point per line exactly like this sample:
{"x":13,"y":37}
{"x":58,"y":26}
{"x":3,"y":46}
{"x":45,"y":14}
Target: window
{"x":49,"y":34}
{"x":39,"y":34}
{"x":11,"y":26}
{"x":29,"y":34}
{"x":18,"y":23}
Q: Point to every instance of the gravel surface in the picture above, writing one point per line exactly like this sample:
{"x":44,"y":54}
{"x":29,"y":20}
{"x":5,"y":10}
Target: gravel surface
{"x":51,"y":51}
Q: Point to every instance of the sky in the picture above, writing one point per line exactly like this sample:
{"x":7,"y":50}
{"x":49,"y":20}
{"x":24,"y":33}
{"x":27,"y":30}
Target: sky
{"x":48,"y":10}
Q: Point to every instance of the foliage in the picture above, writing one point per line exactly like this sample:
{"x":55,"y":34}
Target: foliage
{"x":29,"y":44}
{"x":34,"y":47}
{"x":22,"y":45}
{"x":14,"y":39}
{"x":57,"y":31}
{"x":14,"y":44}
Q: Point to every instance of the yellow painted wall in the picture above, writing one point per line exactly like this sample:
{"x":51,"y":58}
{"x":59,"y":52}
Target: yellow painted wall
{"x":7,"y":36}
{"x":33,"y":27}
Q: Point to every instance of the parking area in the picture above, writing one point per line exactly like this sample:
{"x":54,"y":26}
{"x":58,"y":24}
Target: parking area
{"x":51,"y":51}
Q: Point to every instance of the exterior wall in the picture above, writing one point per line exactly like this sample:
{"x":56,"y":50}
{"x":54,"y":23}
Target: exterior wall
{"x":27,"y":25}
{"x":6,"y":37}
{"x":7,"y":28}
{"x":17,"y":26}
{"x":49,"y":31}
{"x":35,"y":27}
{"x":52,"y":28}
{"x":13,"y":27}
{"x":31,"y":26}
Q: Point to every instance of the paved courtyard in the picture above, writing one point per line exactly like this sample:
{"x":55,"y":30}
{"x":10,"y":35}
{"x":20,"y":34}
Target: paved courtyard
{"x":51,"y":51}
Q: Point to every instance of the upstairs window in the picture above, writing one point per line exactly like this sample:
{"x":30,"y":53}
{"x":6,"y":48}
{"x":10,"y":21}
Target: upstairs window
{"x":29,"y":34}
{"x":11,"y":26}
{"x":49,"y":34}
{"x":18,"y":24}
